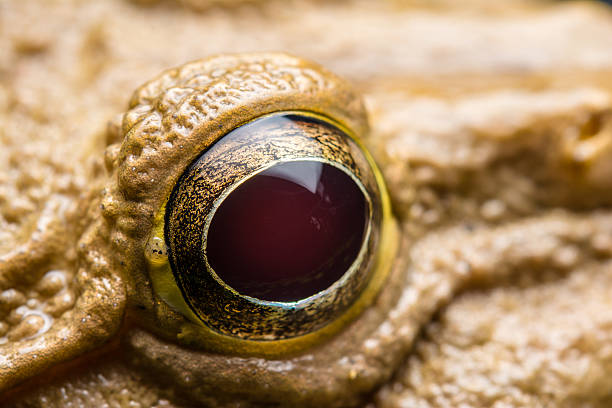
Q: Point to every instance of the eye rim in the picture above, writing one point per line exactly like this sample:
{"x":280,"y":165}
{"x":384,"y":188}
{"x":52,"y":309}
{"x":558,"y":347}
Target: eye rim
{"x":162,"y":275}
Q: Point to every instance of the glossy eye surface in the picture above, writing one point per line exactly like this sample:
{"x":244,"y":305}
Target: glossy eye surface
{"x":288,"y":232}
{"x":272,"y":231}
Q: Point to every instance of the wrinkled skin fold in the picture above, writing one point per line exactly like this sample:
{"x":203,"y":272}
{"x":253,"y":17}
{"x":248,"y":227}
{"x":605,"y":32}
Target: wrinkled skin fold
{"x":494,"y":137}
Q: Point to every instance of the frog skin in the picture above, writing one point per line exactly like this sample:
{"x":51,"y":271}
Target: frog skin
{"x":495,"y":140}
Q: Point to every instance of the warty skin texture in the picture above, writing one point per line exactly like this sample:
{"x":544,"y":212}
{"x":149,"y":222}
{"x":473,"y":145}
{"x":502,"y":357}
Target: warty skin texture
{"x":491,"y":125}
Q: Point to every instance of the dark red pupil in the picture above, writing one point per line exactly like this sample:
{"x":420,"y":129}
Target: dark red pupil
{"x":288,"y":232}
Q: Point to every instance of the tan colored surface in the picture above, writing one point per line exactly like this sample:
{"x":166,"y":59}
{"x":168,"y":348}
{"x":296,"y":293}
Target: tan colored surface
{"x":492,"y":124}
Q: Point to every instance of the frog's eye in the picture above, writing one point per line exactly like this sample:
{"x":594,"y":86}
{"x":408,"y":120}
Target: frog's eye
{"x":269,"y":218}
{"x":271,"y":232}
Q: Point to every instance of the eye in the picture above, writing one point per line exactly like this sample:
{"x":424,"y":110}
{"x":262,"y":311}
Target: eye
{"x":271,"y":232}
{"x":269,"y":226}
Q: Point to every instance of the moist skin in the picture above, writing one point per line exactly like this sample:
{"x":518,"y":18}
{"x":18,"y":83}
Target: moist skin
{"x":495,"y":139}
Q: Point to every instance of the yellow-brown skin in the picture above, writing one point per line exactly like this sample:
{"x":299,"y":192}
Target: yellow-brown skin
{"x":496,"y":149}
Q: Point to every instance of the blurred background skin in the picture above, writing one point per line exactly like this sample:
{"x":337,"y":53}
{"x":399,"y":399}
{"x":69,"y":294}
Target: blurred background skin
{"x":457,"y":92}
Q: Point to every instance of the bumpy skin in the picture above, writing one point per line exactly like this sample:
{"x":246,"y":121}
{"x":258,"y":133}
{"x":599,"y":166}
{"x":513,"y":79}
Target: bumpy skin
{"x":493,"y":129}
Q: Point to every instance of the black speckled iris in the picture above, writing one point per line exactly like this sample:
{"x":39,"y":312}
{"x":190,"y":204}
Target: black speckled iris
{"x":272,"y":231}
{"x":288,"y":232}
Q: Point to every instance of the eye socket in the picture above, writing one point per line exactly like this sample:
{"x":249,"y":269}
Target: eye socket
{"x":223,"y":124}
{"x":272,"y":232}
